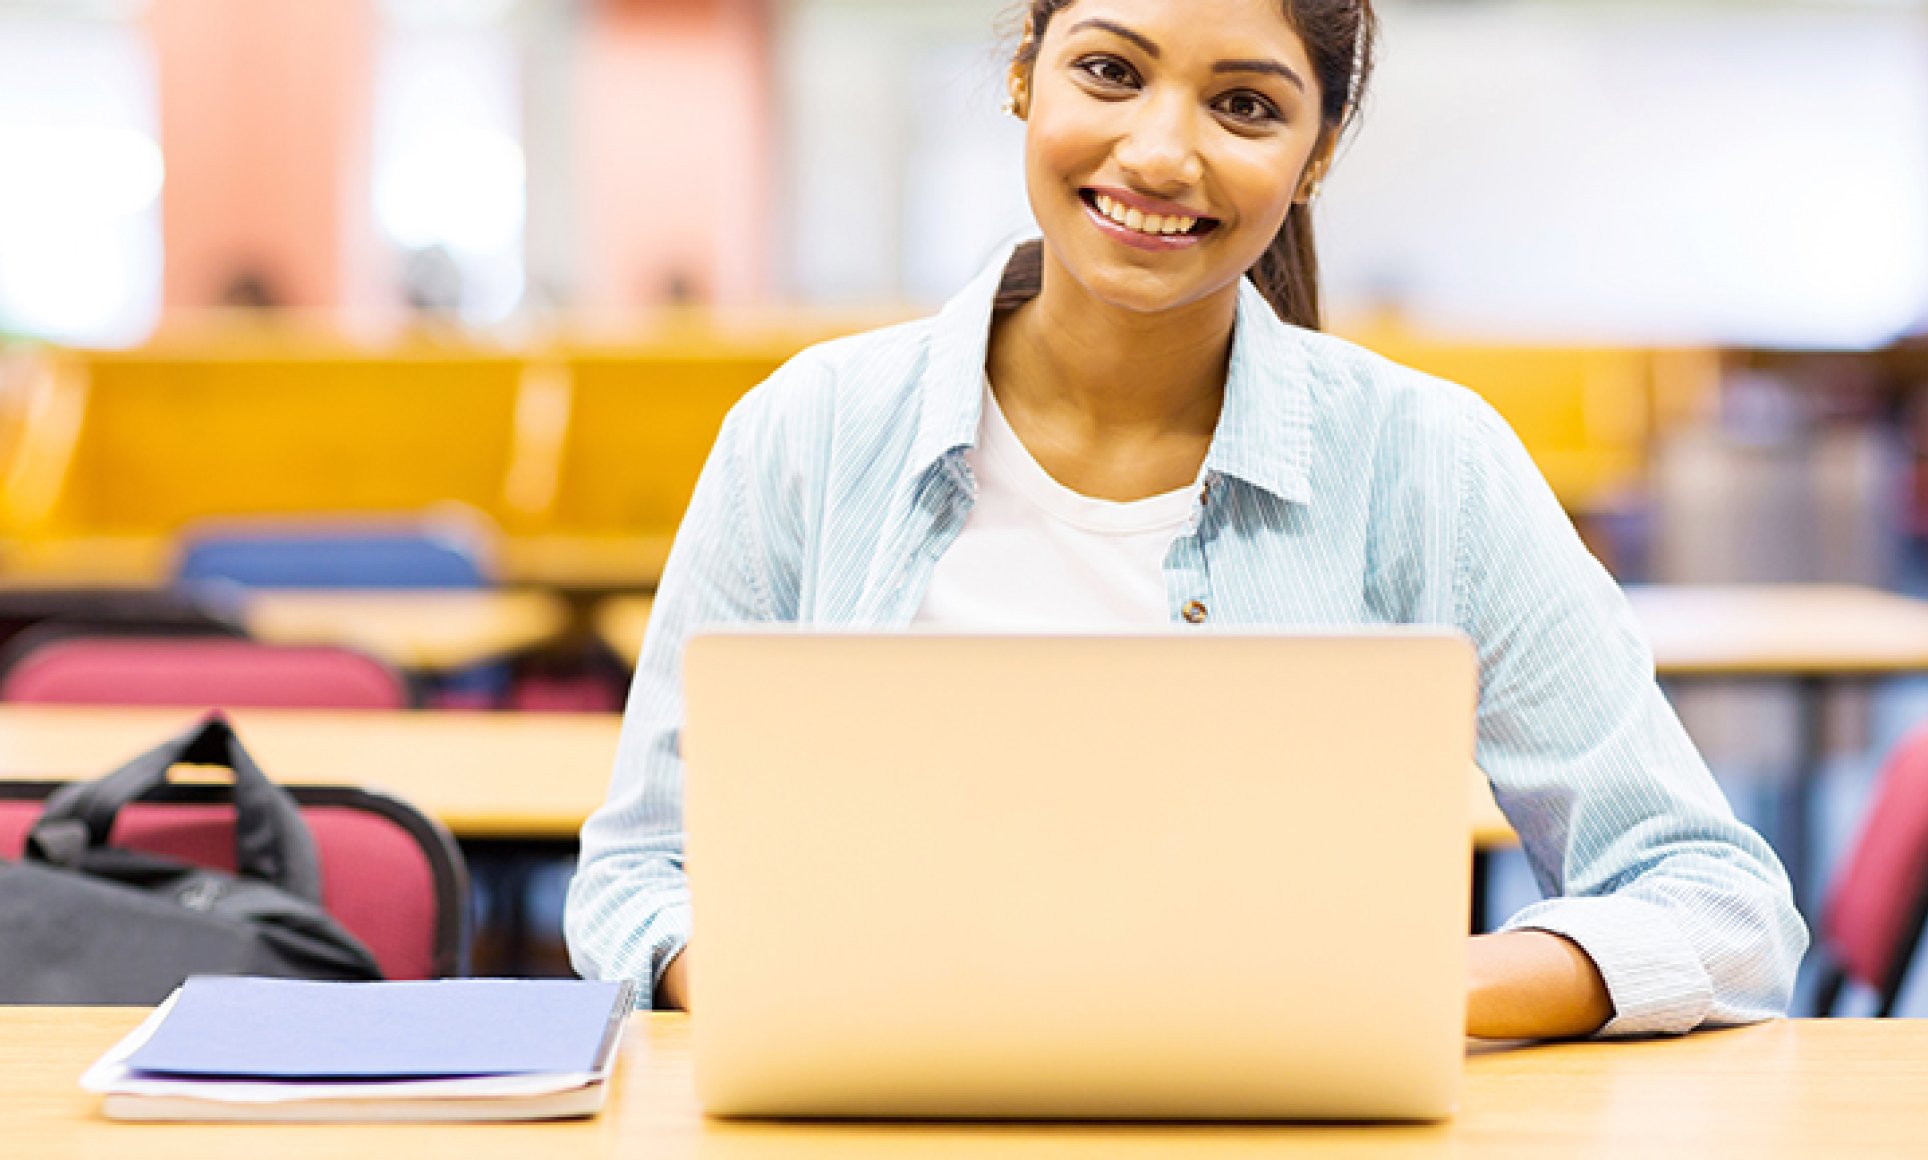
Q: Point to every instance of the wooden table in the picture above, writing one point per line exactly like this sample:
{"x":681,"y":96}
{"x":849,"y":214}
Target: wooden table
{"x":581,"y":563}
{"x":528,"y":776}
{"x":1814,"y":638}
{"x":1741,"y":630}
{"x":1798,"y":1089}
{"x":424,"y":631}
{"x":621,"y":621}
{"x":1781,"y":631}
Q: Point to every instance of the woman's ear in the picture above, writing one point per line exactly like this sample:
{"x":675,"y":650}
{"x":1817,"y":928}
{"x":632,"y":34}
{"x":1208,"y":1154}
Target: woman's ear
{"x":1017,"y":82}
{"x":1312,"y":180}
{"x":1017,"y":94}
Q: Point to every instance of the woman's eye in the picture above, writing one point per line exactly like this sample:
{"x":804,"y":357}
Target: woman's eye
{"x":1108,"y":70}
{"x":1248,"y":107}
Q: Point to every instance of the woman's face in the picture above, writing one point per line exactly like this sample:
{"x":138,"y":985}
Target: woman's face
{"x":1167,"y":140}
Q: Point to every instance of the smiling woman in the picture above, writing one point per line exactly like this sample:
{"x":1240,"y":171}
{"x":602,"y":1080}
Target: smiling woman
{"x":1273,"y":114}
{"x":1132,"y":423}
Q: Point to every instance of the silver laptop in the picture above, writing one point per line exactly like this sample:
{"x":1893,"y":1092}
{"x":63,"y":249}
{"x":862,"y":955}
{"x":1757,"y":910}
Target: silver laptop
{"x":1185,"y":876}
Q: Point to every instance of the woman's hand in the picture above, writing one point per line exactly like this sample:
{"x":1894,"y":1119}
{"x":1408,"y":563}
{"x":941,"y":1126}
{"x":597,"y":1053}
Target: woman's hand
{"x":1524,"y":984}
{"x":673,"y":991}
{"x":1530,"y":984}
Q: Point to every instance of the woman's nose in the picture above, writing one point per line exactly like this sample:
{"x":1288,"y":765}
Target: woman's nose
{"x":1161,"y":147}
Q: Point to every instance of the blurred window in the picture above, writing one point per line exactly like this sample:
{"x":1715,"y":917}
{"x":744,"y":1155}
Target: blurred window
{"x":80,"y":199}
{"x":1697,"y":172}
{"x":450,"y":181}
{"x":1691,"y":171}
{"x":901,"y":175}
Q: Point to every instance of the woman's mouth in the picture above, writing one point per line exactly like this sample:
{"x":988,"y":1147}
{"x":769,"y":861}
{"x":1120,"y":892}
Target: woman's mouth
{"x":1141,"y":230}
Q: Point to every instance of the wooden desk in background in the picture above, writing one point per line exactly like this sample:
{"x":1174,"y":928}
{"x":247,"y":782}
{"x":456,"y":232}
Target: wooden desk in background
{"x":1738,"y":630}
{"x":621,"y":621}
{"x":505,"y":776}
{"x":1781,"y":631}
{"x":1813,"y":638}
{"x":523,"y":776}
{"x":561,"y":562}
{"x":415,"y":631}
{"x":1796,"y":1089}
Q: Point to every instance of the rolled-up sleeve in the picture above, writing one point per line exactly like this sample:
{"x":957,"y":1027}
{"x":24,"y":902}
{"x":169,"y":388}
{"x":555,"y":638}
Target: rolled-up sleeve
{"x":628,"y":911}
{"x":1685,"y":911}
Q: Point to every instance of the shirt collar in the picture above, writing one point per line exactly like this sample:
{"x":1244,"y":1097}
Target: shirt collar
{"x":1264,"y":434}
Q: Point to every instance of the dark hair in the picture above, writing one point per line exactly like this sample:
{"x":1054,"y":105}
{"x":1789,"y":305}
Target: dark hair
{"x":1339,"y":36}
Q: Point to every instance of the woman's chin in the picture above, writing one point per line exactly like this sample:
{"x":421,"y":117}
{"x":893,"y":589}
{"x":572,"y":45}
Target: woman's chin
{"x":1142,"y":291}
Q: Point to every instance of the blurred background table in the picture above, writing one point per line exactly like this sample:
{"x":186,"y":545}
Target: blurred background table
{"x":416,"y":631}
{"x":1814,"y":638}
{"x":524,"y":776}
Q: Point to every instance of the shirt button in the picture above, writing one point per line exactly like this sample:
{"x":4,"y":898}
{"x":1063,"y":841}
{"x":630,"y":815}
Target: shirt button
{"x":1195,"y":613}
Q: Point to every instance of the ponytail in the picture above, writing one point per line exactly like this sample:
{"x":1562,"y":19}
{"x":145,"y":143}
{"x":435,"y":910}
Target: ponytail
{"x":1288,"y":272}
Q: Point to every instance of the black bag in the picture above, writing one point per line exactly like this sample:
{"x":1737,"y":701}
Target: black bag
{"x":83,"y":922}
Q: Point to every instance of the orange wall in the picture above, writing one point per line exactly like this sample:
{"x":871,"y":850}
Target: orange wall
{"x":675,"y":151}
{"x":265,"y":126}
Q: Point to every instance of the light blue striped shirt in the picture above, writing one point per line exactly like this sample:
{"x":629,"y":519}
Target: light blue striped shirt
{"x":1341,"y":489}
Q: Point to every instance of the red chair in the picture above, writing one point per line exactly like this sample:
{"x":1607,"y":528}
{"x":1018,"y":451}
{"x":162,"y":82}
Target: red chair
{"x":199,"y":673}
{"x":1877,"y":907}
{"x":392,"y":876}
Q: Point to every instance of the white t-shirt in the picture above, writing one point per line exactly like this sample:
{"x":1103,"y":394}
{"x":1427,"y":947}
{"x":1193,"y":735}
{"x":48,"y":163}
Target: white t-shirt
{"x":1035,"y":555}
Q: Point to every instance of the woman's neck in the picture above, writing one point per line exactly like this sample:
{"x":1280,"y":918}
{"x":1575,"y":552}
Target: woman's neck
{"x":1113,"y":402}
{"x":1106,"y":368}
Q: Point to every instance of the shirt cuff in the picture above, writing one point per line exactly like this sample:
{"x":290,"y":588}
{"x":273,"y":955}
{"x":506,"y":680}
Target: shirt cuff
{"x":1654,"y":977}
{"x":669,"y":933}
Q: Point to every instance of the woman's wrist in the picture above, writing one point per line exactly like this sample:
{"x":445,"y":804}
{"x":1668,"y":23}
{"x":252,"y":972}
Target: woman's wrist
{"x":1533,"y":984}
{"x":672,"y":990}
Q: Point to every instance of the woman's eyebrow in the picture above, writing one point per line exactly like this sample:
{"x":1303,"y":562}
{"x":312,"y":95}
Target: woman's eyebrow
{"x":1260,"y":66}
{"x":1137,"y":38}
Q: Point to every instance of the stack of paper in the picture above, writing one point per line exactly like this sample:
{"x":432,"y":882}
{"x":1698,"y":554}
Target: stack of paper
{"x":228,"y":1048}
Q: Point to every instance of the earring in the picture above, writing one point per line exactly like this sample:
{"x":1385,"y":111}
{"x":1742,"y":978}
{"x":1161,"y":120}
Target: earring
{"x":1011,"y":98}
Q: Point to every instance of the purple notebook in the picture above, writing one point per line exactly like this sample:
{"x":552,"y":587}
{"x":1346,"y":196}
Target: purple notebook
{"x":247,"y":1028}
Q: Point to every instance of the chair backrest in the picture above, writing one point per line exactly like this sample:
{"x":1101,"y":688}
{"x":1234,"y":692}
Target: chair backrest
{"x":1876,"y":907}
{"x":394,"y":558}
{"x":390,"y":875}
{"x":200,"y":673}
{"x":131,"y":612}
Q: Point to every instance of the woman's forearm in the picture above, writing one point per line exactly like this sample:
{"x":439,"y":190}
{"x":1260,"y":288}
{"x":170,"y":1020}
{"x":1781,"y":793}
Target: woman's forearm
{"x":673,"y":990}
{"x":1524,"y":984}
{"x":1529,"y":984}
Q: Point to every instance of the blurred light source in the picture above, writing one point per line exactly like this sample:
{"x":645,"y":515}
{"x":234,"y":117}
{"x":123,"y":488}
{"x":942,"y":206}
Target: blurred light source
{"x":449,"y":171}
{"x":78,"y":171}
{"x":81,"y":173}
{"x":462,"y":189}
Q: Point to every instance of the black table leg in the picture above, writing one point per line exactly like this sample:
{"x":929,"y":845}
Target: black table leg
{"x":1482,"y":870}
{"x":1796,"y":809}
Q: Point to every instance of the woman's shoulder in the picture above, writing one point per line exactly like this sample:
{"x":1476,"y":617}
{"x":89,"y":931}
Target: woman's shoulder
{"x":1350,"y":379}
{"x":882,"y":362}
{"x":852,"y":399}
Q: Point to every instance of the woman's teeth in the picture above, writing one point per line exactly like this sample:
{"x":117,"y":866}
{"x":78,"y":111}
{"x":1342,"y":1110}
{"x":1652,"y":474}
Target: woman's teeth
{"x":1141,"y":222}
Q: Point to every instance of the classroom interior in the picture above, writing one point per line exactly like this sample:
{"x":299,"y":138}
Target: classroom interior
{"x":398,"y":330}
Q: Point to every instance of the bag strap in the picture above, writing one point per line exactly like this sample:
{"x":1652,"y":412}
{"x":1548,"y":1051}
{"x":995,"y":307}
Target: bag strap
{"x":271,"y":842}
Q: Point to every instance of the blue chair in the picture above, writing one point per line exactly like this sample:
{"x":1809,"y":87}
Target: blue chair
{"x":430,"y":555}
{"x":399,"y":558}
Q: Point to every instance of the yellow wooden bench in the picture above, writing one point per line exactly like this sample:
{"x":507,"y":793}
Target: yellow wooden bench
{"x":583,"y":457}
